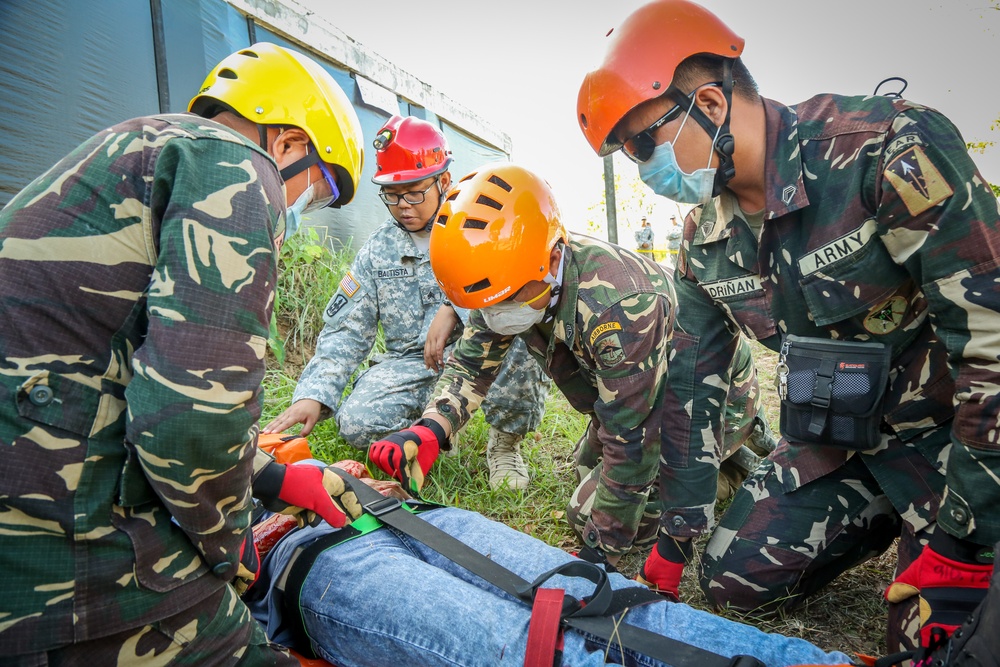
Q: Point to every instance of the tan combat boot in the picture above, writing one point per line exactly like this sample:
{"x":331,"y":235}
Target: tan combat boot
{"x":503,"y":456}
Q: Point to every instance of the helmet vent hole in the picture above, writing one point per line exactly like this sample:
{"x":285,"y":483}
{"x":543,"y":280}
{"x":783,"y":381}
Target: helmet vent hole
{"x":477,"y":287}
{"x":489,"y":201}
{"x":442,"y":220}
{"x":499,"y":182}
{"x":249,"y":54}
{"x":227,"y":74}
{"x":472,"y":223}
{"x":453,"y":196}
{"x":467,"y":177}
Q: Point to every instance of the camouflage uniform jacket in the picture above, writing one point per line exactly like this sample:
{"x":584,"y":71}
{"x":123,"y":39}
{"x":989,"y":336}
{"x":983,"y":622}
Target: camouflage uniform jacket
{"x":606,"y":350}
{"x":877,"y":226}
{"x":136,"y":281}
{"x":390,"y":281}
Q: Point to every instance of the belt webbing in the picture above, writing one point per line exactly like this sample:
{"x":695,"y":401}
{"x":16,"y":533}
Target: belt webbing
{"x":599,"y":615}
{"x":544,"y":629}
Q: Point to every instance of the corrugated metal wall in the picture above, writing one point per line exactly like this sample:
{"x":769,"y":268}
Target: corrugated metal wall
{"x":69,"y":69}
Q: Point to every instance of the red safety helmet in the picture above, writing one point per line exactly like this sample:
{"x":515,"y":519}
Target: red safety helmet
{"x":642,"y":55}
{"x":408,"y":150}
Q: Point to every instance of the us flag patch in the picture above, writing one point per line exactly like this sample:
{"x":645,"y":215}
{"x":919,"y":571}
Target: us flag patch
{"x":348,"y":285}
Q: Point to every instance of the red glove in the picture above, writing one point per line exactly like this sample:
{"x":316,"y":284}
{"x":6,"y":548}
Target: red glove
{"x":951,"y":577}
{"x":408,"y":455}
{"x":664,"y":566}
{"x":304,"y":491}
{"x":249,"y":567}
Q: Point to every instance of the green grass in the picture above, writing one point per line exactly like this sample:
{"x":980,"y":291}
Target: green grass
{"x":849,"y":615}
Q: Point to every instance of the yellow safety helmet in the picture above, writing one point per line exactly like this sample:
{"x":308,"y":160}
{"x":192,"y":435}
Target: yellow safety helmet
{"x":494,"y":234}
{"x":271,"y":85}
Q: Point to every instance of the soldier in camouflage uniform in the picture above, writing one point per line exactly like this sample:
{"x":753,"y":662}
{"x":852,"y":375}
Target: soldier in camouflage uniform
{"x":136,"y":278}
{"x":596,"y":315}
{"x":841,"y":219}
{"x":747,"y":437}
{"x":391,"y":283}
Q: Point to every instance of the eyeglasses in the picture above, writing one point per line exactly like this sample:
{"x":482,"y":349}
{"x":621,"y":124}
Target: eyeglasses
{"x":412,"y":198}
{"x":639,"y":147}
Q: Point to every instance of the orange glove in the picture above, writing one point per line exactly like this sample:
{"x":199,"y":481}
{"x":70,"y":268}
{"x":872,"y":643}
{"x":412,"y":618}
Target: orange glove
{"x":409,"y":454}
{"x":951,"y":577}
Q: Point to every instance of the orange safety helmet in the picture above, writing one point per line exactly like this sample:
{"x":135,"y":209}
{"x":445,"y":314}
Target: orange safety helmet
{"x":640,"y":61}
{"x":494,"y":234}
{"x":408,"y":150}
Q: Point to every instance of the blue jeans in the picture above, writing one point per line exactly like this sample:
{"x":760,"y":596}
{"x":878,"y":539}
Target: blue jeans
{"x":385,"y":598}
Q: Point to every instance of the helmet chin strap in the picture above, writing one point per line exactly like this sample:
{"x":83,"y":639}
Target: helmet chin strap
{"x":724,"y":144}
{"x":300,"y":165}
{"x":295,"y":168}
{"x":430,"y":220}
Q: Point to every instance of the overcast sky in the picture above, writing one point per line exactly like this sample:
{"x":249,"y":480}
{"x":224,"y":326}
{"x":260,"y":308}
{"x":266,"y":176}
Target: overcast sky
{"x":519,"y":63}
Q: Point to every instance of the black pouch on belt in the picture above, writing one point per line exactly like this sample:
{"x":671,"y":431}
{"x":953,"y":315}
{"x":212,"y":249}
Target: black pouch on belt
{"x":831,"y":391}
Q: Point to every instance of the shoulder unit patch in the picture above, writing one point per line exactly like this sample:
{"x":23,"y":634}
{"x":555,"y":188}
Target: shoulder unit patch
{"x":917,"y":181}
{"x":609,"y":350}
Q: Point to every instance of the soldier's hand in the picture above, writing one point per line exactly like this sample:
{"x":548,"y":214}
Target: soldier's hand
{"x":409,"y":454}
{"x":950,"y":577}
{"x":664,"y":566}
{"x":306,"y":491}
{"x":304,"y":411}
{"x":440,"y":330}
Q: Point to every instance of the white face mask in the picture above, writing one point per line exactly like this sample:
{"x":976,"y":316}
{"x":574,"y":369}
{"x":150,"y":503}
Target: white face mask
{"x":510,"y":318}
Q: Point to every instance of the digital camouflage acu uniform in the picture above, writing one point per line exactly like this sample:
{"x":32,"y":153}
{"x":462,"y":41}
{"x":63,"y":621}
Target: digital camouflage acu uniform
{"x":606,"y":350}
{"x":644,"y":238}
{"x":877,"y":226}
{"x":136,"y":281}
{"x":390,"y":281}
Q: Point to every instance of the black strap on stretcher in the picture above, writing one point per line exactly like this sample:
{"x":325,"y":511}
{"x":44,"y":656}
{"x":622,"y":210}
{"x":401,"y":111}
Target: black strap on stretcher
{"x":600,"y":614}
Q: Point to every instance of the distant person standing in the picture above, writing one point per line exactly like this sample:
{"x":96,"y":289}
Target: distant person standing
{"x":644,"y":237}
{"x":674,"y":236}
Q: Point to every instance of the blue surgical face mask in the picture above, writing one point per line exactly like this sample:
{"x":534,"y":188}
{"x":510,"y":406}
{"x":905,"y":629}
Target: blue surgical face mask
{"x":664,"y":176}
{"x":308,"y":200}
{"x":293,"y":214}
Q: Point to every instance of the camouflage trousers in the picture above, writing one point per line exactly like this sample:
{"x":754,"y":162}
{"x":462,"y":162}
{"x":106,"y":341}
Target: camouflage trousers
{"x":773,"y":549}
{"x":218,"y":631}
{"x":391,"y":394}
{"x":747,"y":437}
